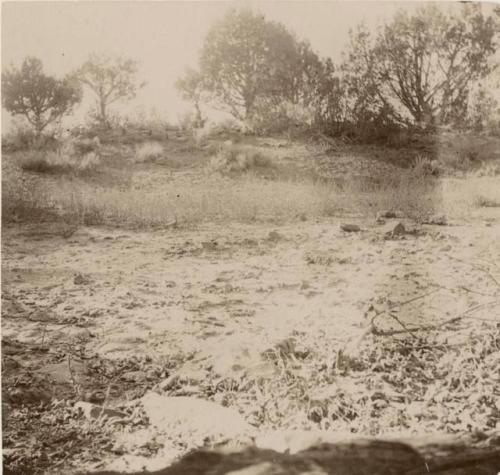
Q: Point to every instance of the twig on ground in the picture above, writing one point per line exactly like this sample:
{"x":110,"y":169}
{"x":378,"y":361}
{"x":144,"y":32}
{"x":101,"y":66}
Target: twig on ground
{"x":392,"y":315}
{"x":446,"y":322}
{"x":478,"y":267}
{"x":400,"y":304}
{"x":371,"y":327}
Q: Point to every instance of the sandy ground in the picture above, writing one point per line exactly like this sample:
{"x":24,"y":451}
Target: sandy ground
{"x":215,"y":291}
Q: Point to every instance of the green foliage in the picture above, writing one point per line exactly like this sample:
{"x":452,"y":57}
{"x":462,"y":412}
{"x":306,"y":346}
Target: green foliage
{"x":110,"y":80}
{"x":40,"y":98}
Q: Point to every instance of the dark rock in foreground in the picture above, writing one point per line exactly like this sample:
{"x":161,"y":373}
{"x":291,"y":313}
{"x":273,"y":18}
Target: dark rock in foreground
{"x":363,"y":457}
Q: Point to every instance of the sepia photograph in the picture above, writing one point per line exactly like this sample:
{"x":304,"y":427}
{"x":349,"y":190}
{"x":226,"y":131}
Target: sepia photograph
{"x":250,"y":237}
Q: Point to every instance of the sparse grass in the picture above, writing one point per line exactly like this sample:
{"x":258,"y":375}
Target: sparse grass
{"x":256,"y":184}
{"x":425,"y":166}
{"x":485,"y":202}
{"x":247,"y":199}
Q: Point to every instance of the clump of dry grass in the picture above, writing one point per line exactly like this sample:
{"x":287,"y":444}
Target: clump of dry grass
{"x":148,"y":151}
{"x":63,"y":160}
{"x":238,"y":158}
{"x":482,"y":201}
{"x":426,"y":166}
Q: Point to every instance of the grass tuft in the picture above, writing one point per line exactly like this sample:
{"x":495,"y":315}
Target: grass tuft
{"x":148,"y":151}
{"x":238,"y":158}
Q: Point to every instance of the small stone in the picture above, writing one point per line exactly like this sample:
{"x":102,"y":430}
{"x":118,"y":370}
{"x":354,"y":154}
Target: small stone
{"x":395,"y":230}
{"x":80,"y":279}
{"x":350,"y":228}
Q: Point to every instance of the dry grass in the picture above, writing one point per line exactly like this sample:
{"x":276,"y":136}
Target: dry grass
{"x":57,"y":162}
{"x":463,"y":197}
{"x":239,"y":158}
{"x":252,"y":184}
{"x":148,"y":151}
{"x":218,"y":199}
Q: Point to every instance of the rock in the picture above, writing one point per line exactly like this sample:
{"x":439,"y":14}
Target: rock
{"x":395,"y":230}
{"x":350,"y":228}
{"x":93,"y":411}
{"x":37,"y":393}
{"x":81,"y":279}
{"x":206,"y":420}
{"x":389,"y":214}
{"x":355,"y":457}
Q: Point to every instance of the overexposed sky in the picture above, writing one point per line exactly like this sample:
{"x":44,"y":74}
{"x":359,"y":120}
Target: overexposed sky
{"x":165,"y":37}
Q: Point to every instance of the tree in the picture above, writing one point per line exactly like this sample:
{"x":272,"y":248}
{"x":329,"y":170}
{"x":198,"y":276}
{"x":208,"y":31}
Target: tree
{"x":40,"y":98}
{"x":422,"y":66}
{"x":111,"y":80}
{"x":192,"y":89}
{"x":246,"y":58}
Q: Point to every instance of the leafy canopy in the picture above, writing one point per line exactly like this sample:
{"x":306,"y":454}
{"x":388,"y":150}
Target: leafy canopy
{"x":40,"y":98}
{"x":110,"y":80}
{"x":420,"y":67}
{"x":245,"y":58}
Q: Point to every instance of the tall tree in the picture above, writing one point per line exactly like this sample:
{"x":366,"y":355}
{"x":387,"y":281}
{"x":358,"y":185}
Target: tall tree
{"x":192,"y":89}
{"x":40,"y":98}
{"x":111,"y":80}
{"x":245,"y":58}
{"x":424,"y":64}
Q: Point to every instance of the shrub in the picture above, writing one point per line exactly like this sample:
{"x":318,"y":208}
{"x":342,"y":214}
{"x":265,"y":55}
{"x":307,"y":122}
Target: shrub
{"x":23,"y":137}
{"x":283,"y":118}
{"x":148,"y":151}
{"x":39,"y":162}
{"x":238,"y":158}
{"x":63,"y":160}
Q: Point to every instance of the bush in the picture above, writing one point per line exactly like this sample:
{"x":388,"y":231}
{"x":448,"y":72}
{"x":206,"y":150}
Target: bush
{"x":38,"y":161}
{"x":284,"y":118}
{"x":238,"y":158}
{"x":148,"y":151}
{"x":63,"y":160}
{"x":23,"y":137}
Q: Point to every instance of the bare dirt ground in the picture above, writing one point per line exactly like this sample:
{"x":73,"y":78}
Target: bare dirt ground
{"x":293,"y":326}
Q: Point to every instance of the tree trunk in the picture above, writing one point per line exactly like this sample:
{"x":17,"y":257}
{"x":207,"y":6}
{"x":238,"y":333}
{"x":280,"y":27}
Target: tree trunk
{"x":102,"y":113}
